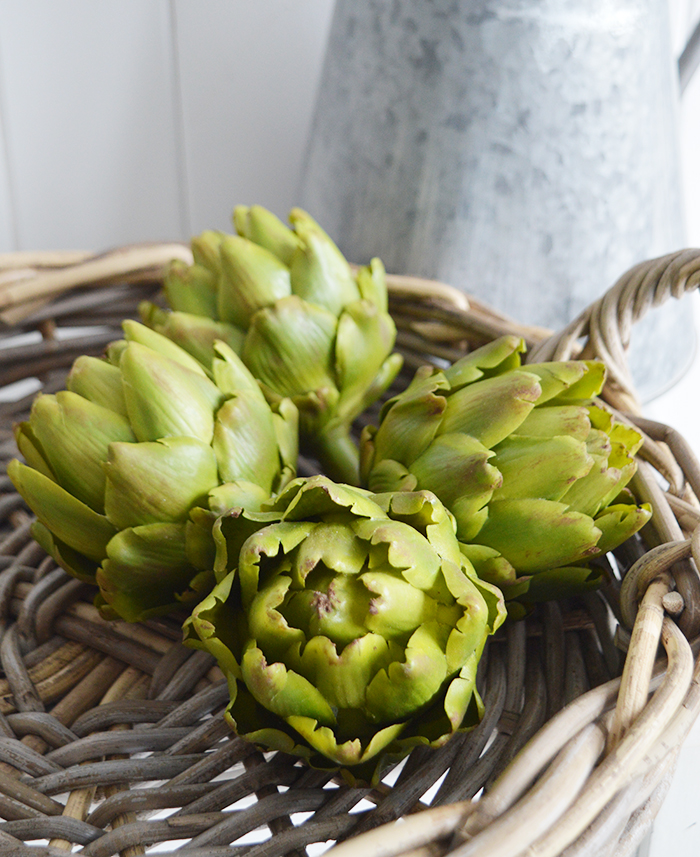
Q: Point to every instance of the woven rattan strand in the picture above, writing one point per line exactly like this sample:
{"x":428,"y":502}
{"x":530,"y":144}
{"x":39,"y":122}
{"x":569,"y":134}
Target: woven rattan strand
{"x":112,"y":737}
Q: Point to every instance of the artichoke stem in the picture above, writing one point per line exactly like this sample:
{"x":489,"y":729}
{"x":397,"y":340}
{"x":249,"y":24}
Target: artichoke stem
{"x":338,"y":454}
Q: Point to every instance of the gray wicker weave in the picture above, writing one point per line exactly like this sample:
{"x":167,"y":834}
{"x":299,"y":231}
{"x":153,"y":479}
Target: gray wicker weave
{"x":112,"y":736}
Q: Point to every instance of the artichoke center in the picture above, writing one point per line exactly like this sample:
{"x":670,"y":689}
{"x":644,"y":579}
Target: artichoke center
{"x":330,"y":605}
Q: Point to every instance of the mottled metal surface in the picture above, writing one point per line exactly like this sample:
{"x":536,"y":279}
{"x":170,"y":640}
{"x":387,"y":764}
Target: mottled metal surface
{"x":524,"y":151}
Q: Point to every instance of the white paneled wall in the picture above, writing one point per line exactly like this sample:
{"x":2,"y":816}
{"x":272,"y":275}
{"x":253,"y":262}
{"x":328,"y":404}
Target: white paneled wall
{"x":89,"y":122}
{"x":133,"y":120}
{"x":248,"y":76}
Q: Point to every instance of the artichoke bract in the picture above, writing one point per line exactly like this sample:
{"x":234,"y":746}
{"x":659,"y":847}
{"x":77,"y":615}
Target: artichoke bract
{"x":350,"y":628}
{"x":304,"y":323}
{"x":530,"y":464}
{"x":128,"y":468}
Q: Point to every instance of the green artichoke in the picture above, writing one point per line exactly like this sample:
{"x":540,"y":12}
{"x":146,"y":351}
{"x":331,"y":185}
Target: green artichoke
{"x":306,"y":326}
{"x":351,"y":628}
{"x":130,"y":466}
{"x":530,"y":465}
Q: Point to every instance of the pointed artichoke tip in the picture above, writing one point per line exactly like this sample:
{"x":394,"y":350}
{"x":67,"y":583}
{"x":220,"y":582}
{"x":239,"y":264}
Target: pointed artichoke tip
{"x":297,"y":213}
{"x":131,"y":327}
{"x":14,"y":470}
{"x":149,"y":313}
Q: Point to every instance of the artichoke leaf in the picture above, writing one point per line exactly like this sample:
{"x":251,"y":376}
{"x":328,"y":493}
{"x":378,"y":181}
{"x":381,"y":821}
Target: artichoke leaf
{"x":536,"y":534}
{"x":464,"y":474}
{"x":332,"y":605}
{"x":231,"y":375}
{"x":70,"y":520}
{"x":333,"y":546}
{"x":388,"y":476}
{"x":364,"y":339}
{"x":231,"y":531}
{"x":191,"y":288}
{"x":562,"y":582}
{"x":261,"y":226}
{"x":252,"y":278}
{"x":146,"y":572}
{"x":74,"y":434}
{"x":290,"y":347}
{"x":557,"y":420}
{"x":114,"y":351}
{"x":209,"y":629}
{"x":285,"y":420}
{"x":200,"y":547}
{"x":164,"y":398}
{"x":157,"y":481}
{"x":489,"y":565}
{"x":397,"y":546}
{"x":351,"y":752}
{"x":590,"y":385}
{"x":491,"y":409}
{"x":195,"y":334}
{"x":463,"y":705}
{"x":69,"y":560}
{"x":136,"y":332}
{"x":266,"y":623}
{"x":540,"y":467}
{"x":268,"y":541}
{"x":424,"y":512}
{"x":318,"y":271}
{"x":410,"y":425}
{"x":496,"y":357}
{"x":614,"y":467}
{"x":318,"y":495}
{"x":398,"y":607}
{"x":282,"y":691}
{"x":371,"y":281}
{"x":99,"y":381}
{"x":404,"y":688}
{"x":248,"y":496}
{"x":558,"y":377}
{"x":244,"y":441}
{"x":618,"y":522}
{"x":30,"y":449}
{"x":343,"y":677}
{"x":206,"y":251}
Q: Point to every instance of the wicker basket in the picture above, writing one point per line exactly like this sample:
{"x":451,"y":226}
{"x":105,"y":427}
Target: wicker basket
{"x":112,"y":736}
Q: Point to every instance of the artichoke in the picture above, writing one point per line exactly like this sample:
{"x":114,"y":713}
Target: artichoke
{"x":531,"y":466}
{"x":350,"y":629}
{"x":129,"y":467}
{"x":306,"y":326}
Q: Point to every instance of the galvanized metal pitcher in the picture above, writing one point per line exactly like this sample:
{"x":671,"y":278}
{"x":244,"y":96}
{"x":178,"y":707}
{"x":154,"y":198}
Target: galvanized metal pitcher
{"x":523,"y":150}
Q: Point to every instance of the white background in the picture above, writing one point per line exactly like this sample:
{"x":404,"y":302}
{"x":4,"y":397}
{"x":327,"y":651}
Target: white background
{"x":140,"y":120}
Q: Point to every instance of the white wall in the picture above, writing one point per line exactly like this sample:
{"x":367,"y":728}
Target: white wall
{"x":133,"y":120}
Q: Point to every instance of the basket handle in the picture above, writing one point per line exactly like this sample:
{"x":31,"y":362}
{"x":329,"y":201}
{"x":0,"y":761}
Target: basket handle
{"x":28,"y":280}
{"x":608,"y":321}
